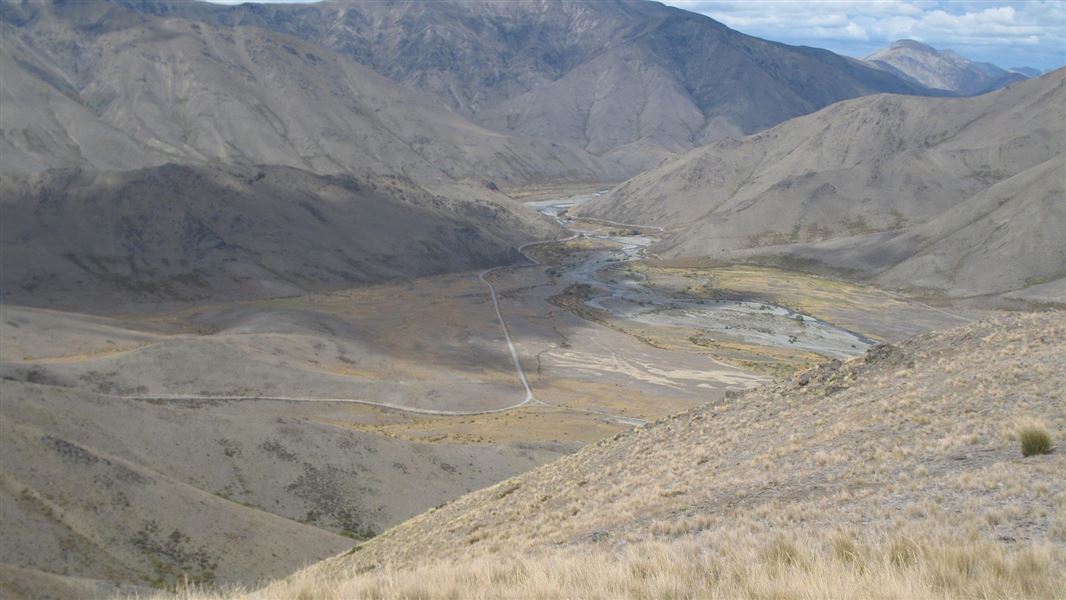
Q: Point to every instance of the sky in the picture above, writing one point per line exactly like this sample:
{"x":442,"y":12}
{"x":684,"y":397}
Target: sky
{"x":1009,"y":34}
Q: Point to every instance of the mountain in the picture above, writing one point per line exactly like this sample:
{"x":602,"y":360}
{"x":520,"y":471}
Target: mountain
{"x":875,"y":164}
{"x":80,"y":238}
{"x":150,"y":158}
{"x":894,"y":474}
{"x":470,"y":98}
{"x":98,"y":85}
{"x":1004,"y":238}
{"x":1027,"y":71}
{"x":628,"y":80}
{"x":944,"y":69}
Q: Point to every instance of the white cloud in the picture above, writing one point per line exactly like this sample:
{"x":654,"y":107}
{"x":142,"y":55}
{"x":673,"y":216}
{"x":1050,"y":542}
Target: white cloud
{"x":855,"y":31}
{"x":236,"y":2}
{"x":1007,"y":33}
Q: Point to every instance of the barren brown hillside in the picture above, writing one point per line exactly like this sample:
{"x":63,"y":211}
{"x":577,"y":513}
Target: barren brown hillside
{"x":630,"y":81}
{"x":861,"y":166}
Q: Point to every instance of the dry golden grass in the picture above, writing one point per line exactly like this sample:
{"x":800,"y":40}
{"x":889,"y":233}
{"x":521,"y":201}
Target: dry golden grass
{"x":888,"y":476}
{"x":839,"y":566}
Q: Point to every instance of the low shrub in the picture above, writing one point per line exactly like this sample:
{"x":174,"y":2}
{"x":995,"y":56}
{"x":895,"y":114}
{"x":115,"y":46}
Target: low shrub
{"x":1034,"y":439}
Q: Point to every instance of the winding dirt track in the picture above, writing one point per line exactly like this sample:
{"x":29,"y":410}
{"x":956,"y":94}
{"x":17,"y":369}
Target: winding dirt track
{"x":503,"y":324}
{"x":514,"y":352}
{"x":528,"y":399}
{"x":387,"y":405}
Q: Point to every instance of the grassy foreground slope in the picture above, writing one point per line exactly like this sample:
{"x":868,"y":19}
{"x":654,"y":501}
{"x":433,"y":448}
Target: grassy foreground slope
{"x":894,"y":475}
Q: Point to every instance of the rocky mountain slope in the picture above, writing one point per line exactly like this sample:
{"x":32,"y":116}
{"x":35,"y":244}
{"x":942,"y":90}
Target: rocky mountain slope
{"x":942,"y":69}
{"x":896,"y":474}
{"x":629,"y":80}
{"x":98,"y":85}
{"x":121,"y":86}
{"x":877,"y":164}
{"x":150,"y":158}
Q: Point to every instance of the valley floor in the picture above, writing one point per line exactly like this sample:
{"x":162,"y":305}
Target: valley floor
{"x":302,"y":425}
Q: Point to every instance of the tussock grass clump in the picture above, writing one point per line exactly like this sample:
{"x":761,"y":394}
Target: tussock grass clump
{"x":782,"y":553}
{"x":1034,"y":438}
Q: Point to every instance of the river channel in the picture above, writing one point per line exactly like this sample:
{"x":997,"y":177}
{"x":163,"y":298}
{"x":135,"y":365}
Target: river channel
{"x":626,"y":295}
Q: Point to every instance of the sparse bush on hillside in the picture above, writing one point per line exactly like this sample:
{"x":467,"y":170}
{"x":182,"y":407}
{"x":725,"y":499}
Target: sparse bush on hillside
{"x":1034,"y":438}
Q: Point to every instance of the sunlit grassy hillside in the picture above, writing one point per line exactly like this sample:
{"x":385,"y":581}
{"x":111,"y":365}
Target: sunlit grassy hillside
{"x":899,"y":474}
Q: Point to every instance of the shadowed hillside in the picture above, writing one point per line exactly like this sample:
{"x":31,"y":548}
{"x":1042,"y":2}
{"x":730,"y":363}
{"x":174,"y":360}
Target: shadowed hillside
{"x":78,"y":238}
{"x":157,"y":159}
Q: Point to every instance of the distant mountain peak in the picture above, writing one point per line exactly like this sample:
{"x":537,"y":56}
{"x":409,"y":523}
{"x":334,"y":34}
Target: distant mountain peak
{"x":1029,"y":72}
{"x":942,"y":69}
{"x":911,"y":44}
